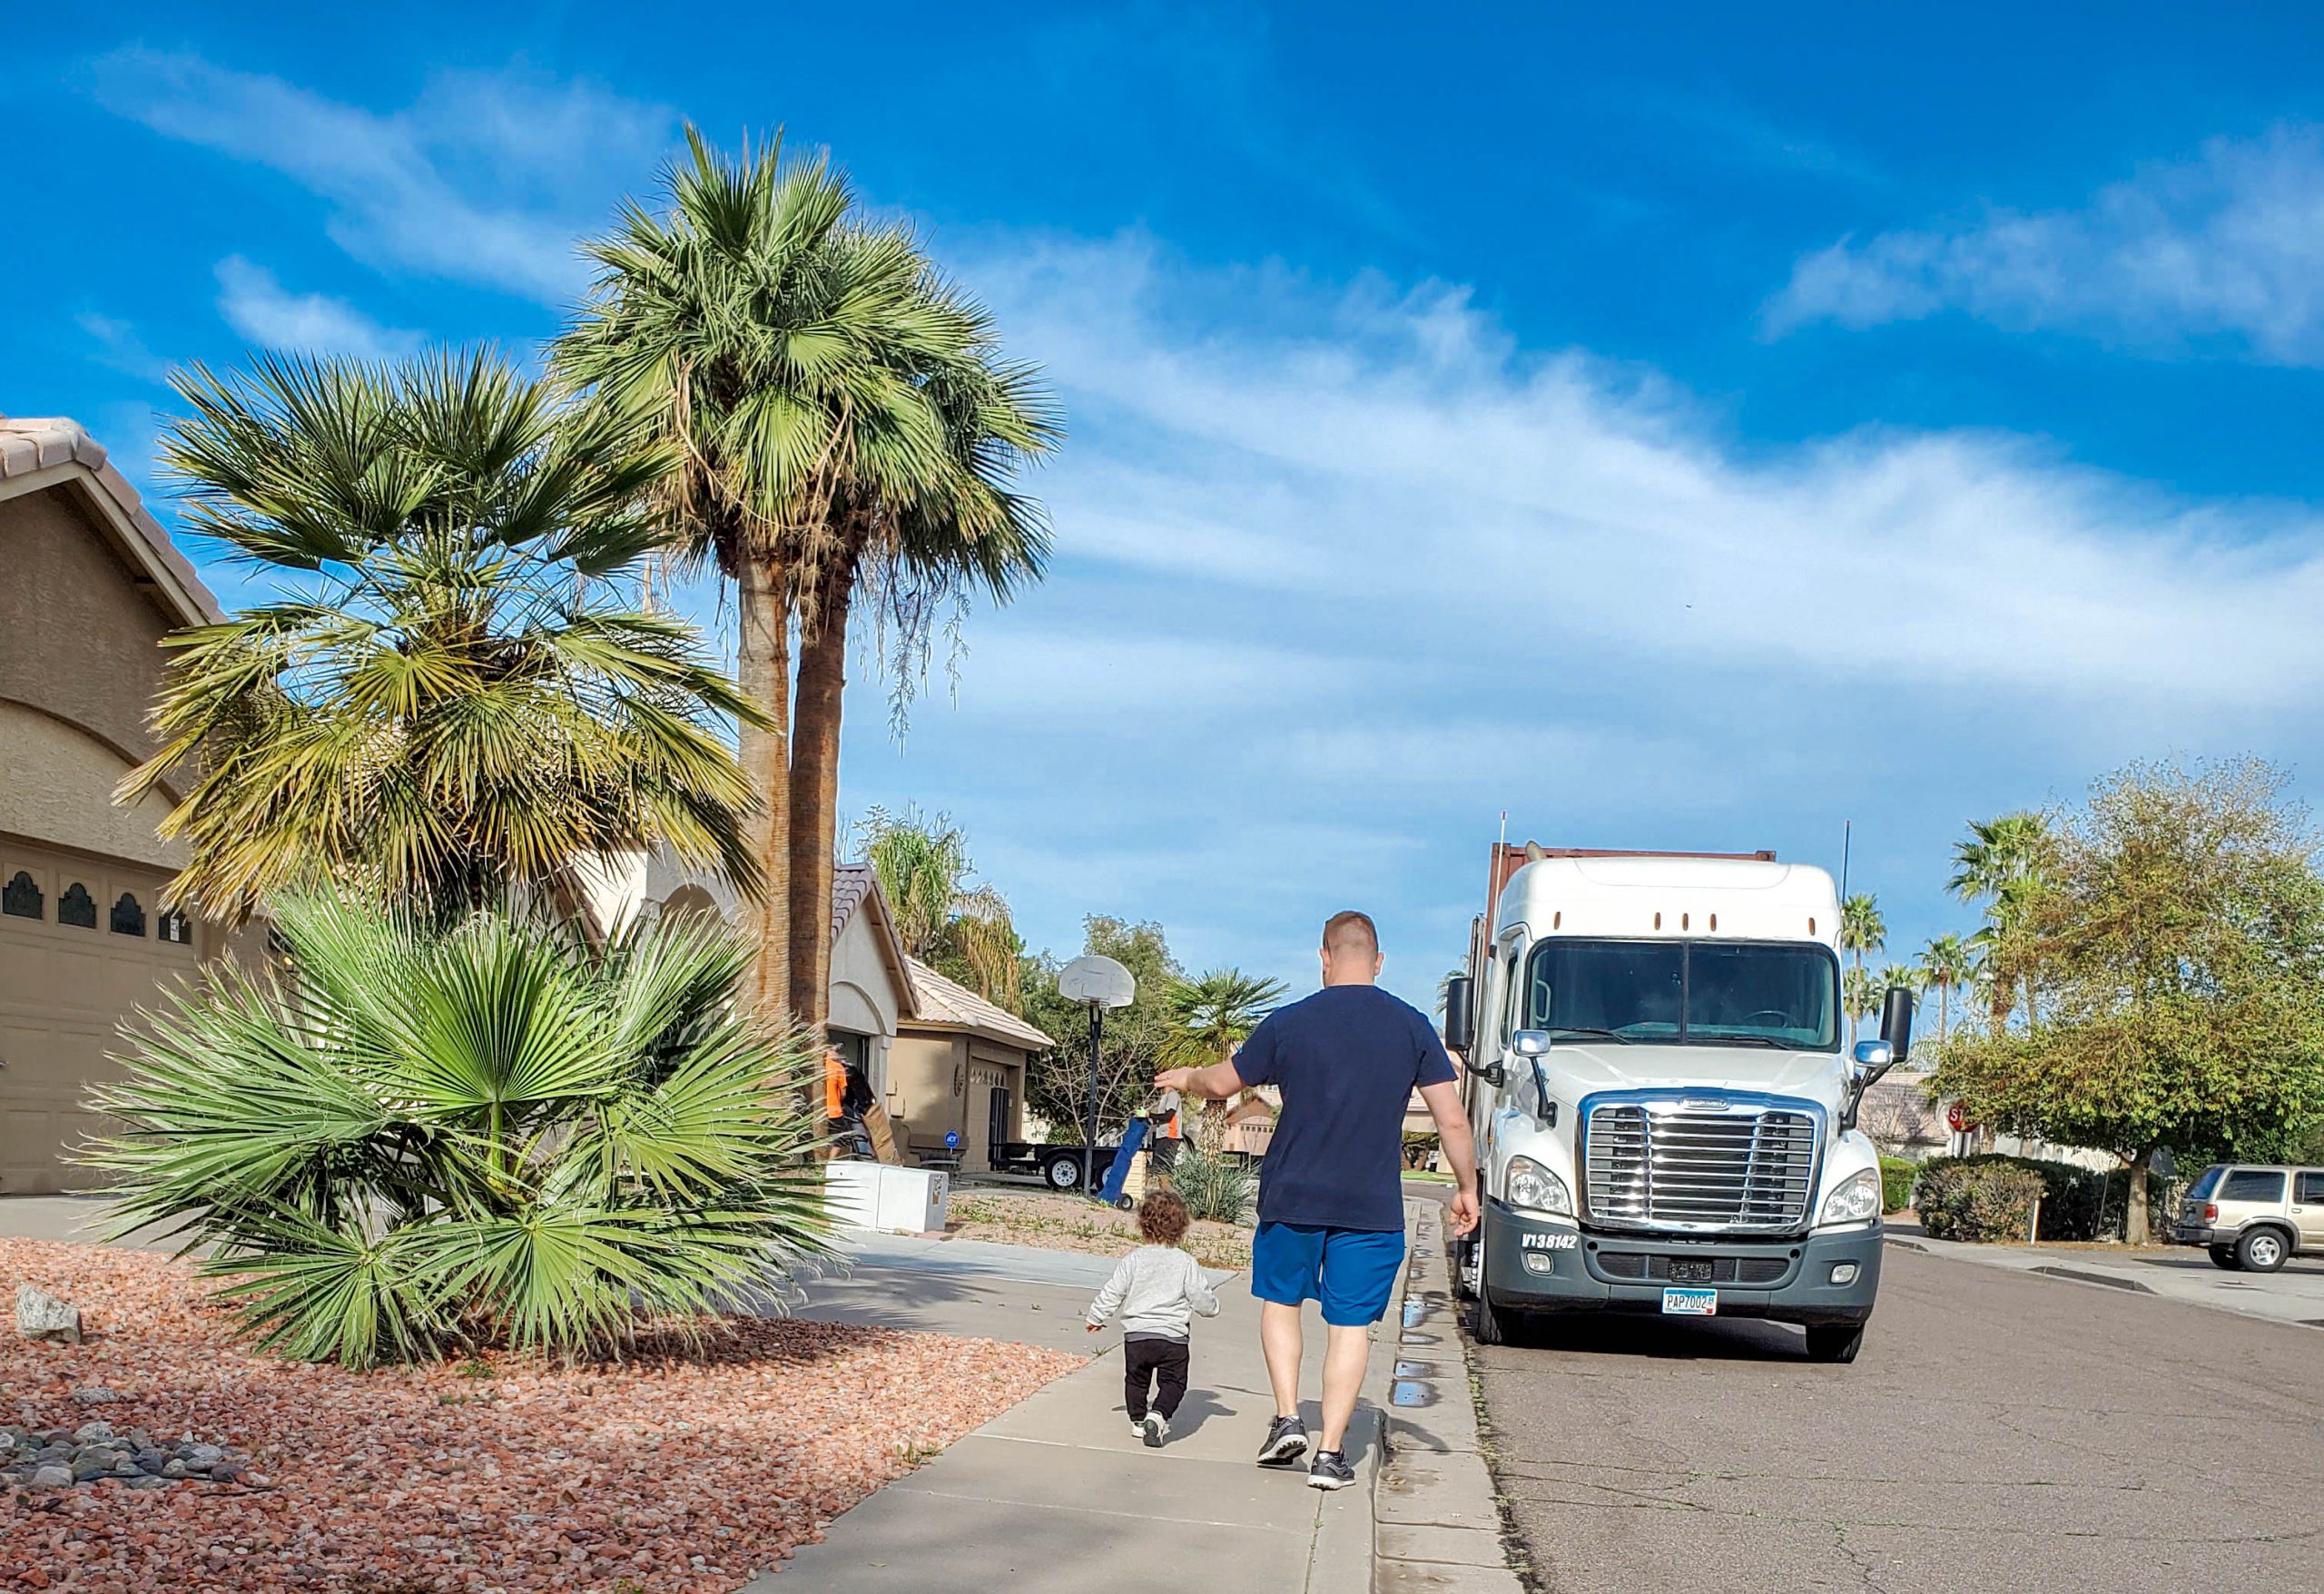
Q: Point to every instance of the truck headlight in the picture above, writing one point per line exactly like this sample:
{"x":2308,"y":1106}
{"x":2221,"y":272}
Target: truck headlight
{"x":1531,"y":1186}
{"x":1857,"y":1201}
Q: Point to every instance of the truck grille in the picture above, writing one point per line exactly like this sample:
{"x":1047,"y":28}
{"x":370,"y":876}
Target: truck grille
{"x":1743,"y":1166}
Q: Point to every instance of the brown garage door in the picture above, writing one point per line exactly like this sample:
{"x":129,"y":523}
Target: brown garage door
{"x":83,"y":945}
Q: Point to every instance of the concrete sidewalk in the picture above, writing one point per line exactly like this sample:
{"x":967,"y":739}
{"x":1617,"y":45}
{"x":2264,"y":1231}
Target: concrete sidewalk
{"x":2295,"y":1295}
{"x":1055,"y":1494}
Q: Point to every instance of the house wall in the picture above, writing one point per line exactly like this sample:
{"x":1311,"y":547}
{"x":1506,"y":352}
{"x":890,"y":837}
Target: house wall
{"x":922,"y":1072}
{"x":863,"y":995}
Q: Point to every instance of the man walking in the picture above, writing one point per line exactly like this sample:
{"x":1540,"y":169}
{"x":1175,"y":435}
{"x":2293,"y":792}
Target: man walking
{"x":1331,"y":1193}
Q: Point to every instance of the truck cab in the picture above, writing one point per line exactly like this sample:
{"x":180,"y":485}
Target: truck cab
{"x":1664,"y":1096}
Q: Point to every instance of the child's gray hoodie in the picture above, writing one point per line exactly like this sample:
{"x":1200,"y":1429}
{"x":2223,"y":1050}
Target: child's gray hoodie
{"x":1156,"y":1289}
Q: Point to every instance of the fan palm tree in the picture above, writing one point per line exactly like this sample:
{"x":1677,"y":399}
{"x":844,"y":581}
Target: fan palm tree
{"x":415,"y":1138}
{"x":834,"y":401}
{"x":1944,"y":963}
{"x":1210,"y":1016}
{"x":1862,"y":930}
{"x":1860,"y":996}
{"x":923,"y":869}
{"x":2001,"y":866}
{"x":454,"y":698}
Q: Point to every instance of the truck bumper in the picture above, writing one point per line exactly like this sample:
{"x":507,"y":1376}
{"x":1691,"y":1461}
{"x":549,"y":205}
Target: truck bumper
{"x":1549,"y":1265}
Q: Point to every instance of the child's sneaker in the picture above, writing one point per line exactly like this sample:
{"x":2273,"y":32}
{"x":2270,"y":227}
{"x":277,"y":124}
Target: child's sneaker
{"x":1286,"y":1442}
{"x":1329,"y":1469}
{"x":1137,"y":1428}
{"x":1155,"y":1430}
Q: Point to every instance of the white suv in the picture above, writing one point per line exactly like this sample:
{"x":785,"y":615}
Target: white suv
{"x":2253,"y":1217}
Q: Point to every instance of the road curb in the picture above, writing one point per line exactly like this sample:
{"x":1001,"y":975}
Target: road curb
{"x":1436,"y":1521}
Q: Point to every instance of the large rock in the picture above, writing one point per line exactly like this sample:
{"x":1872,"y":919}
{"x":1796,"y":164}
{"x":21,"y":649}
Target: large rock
{"x":42,"y":1316}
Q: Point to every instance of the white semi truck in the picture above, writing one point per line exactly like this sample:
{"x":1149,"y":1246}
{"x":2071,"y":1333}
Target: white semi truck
{"x":1664,"y":1103}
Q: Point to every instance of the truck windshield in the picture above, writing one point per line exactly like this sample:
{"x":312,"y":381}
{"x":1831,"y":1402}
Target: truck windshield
{"x":1687,"y":993}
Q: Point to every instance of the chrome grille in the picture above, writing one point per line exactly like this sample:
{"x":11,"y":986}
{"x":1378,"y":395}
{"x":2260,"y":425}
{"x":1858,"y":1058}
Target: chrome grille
{"x":1745,"y":1165}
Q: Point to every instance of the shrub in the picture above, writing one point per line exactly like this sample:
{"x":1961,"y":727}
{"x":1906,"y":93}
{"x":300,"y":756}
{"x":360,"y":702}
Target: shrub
{"x":1974,"y":1198}
{"x":1897,"y":1177}
{"x":2077,"y":1203}
{"x":1214,"y":1185}
{"x":409,"y":1141}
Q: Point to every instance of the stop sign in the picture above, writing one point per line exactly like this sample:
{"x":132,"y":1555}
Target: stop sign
{"x":1958,"y":1121}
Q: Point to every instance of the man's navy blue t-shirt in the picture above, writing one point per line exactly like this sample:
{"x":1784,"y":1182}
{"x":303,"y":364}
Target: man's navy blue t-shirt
{"x":1346,"y":1059}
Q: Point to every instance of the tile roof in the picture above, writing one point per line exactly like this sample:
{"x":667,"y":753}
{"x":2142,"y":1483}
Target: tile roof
{"x":850,"y":883}
{"x":31,"y":444}
{"x":947,"y":1004}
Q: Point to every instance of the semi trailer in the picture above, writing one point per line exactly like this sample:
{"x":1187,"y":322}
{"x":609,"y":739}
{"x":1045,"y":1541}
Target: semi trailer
{"x":1664,"y":1095}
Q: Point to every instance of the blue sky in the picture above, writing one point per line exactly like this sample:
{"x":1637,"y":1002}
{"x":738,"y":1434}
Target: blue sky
{"x":1689,"y":432}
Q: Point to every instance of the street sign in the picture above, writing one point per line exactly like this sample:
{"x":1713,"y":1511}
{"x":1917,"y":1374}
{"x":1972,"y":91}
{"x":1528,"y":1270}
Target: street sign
{"x":1096,"y":979}
{"x":951,"y":1140}
{"x":1959,"y":1122}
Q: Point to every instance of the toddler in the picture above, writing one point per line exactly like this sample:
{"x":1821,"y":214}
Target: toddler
{"x":1156,"y":1289}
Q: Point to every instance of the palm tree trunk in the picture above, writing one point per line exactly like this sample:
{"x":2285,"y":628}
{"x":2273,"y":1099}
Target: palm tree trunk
{"x":814,"y":792}
{"x":763,"y":671}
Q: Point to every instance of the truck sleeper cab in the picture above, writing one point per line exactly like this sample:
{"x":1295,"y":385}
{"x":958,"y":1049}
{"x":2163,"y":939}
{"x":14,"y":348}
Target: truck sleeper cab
{"x":1665,"y":1115}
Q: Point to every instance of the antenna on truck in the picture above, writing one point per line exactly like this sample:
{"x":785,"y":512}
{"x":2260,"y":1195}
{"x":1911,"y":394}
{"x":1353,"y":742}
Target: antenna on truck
{"x":1847,"y":834}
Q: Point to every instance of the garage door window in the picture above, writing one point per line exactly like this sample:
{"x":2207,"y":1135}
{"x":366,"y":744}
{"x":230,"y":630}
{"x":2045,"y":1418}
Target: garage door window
{"x":173,"y":927}
{"x":77,"y":906}
{"x":128,"y":915}
{"x":21,"y":899}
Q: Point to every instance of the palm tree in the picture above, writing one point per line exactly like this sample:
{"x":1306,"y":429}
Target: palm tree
{"x":923,"y":869}
{"x":2001,"y":866}
{"x":1945,"y":962}
{"x":836,"y":403}
{"x":1861,"y":931}
{"x":1859,"y":995}
{"x":1210,"y":1016}
{"x":454,"y":699}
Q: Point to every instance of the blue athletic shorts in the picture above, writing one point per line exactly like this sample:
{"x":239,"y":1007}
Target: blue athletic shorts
{"x":1350,"y":1271}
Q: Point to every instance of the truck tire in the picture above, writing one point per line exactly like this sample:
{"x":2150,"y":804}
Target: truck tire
{"x":1833,"y":1341}
{"x":1063,"y":1172}
{"x":1464,"y":1252}
{"x":2224,"y":1257}
{"x":1487,"y":1322}
{"x":2262,"y":1250}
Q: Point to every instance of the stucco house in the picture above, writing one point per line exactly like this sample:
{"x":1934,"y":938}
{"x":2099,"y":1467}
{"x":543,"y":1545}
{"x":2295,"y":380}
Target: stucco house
{"x":957,"y":1067}
{"x":871,"y":986}
{"x":92,"y":584}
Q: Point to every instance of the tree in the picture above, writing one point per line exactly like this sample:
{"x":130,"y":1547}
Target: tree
{"x":1860,"y":994}
{"x":1137,"y":1038}
{"x":1945,"y":962}
{"x":454,"y":699}
{"x":1891,"y":977}
{"x":2181,"y":927}
{"x":1861,"y":931}
{"x":412,"y":1138}
{"x":1211,"y":1016}
{"x":835,"y":402}
{"x":2002,"y":867}
{"x":961,"y":930}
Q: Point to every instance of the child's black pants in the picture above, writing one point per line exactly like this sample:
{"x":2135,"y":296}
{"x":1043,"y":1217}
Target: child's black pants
{"x":1162,"y":1361}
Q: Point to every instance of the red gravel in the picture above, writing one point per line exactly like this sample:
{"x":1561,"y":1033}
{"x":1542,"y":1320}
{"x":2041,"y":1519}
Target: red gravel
{"x":678,"y":1471}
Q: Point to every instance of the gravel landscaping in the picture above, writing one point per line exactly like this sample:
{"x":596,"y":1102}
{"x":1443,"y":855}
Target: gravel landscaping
{"x":680,"y":1469}
{"x":1069,"y":1223}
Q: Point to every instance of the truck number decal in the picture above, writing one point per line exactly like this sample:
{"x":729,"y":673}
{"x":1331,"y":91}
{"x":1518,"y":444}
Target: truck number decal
{"x":1548,"y":1242}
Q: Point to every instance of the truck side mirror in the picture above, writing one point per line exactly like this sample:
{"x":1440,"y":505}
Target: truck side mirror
{"x":1460,"y":1014}
{"x":1897,"y":1022}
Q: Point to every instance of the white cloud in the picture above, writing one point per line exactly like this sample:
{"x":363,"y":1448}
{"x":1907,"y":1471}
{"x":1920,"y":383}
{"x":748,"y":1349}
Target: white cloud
{"x":262,"y":310}
{"x":485,"y":177}
{"x":2225,"y":247}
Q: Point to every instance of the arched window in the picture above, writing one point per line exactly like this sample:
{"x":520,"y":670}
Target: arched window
{"x":77,"y":906}
{"x":128,"y":915}
{"x":174,"y":927}
{"x":21,"y":898}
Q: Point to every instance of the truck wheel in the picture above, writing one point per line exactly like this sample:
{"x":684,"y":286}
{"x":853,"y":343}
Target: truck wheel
{"x":2261,"y":1251}
{"x":1064,"y":1172}
{"x":2224,"y":1257}
{"x":1833,"y":1341}
{"x":1466,"y":1258}
{"x":1489,"y":1322}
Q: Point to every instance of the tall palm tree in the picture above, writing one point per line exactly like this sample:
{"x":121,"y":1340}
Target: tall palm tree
{"x":454,"y":699}
{"x":834,"y":402}
{"x":1859,"y":996}
{"x":1210,"y":1016}
{"x":1945,"y":962}
{"x":2001,"y":866}
{"x":1862,"y":930}
{"x":923,"y":869}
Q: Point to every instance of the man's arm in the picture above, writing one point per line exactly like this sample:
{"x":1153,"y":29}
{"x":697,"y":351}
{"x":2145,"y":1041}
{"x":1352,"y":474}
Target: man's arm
{"x":1215,"y":1083}
{"x":1459,"y":1148}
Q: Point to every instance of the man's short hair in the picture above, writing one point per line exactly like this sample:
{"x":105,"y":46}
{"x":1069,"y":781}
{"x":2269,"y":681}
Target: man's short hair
{"x":1352,"y":932}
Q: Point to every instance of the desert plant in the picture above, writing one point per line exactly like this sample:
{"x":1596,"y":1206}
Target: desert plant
{"x":1979,"y":1199}
{"x":408,"y":1139}
{"x":1214,"y":1185}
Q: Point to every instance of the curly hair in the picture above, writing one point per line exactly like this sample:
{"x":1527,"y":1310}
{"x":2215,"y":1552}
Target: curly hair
{"x":1163,"y":1218}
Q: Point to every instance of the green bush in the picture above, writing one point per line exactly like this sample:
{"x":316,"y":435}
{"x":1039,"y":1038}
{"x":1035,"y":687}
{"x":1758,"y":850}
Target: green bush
{"x":1213,"y":1185}
{"x":2077,"y":1203}
{"x":410,"y":1142}
{"x":1977,"y":1198}
{"x":1897,"y":1177}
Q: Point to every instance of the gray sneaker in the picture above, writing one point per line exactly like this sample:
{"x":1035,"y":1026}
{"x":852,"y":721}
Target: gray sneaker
{"x":1329,"y":1469}
{"x":1153,"y":1429}
{"x":1286,"y":1442}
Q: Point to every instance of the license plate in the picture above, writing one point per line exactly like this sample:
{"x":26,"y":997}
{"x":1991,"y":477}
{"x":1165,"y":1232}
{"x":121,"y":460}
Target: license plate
{"x":1691,"y":1302}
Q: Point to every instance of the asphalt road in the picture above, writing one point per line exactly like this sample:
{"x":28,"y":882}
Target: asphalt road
{"x":1999,"y":1431}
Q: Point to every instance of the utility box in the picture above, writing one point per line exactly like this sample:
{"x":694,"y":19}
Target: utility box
{"x":894,"y":1200}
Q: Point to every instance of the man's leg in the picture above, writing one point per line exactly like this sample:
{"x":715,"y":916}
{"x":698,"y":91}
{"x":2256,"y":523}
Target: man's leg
{"x":1345,"y":1352}
{"x":1279,"y":1338}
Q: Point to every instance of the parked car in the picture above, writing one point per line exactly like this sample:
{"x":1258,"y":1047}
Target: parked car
{"x":2253,"y":1217}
